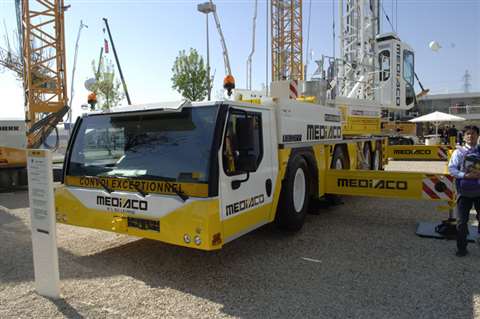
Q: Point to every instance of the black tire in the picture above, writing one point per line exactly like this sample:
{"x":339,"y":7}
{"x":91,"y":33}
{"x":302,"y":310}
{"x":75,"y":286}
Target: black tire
{"x":367,"y":154}
{"x":339,"y":160}
{"x":290,"y":213}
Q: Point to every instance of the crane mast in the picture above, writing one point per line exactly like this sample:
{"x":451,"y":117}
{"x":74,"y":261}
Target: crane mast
{"x":45,"y":78}
{"x":359,"y":25}
{"x":287,"y":47}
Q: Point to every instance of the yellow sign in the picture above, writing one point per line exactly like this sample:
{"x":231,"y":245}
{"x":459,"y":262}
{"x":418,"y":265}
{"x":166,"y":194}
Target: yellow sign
{"x":418,"y":152}
{"x":402,"y":128}
{"x":404,"y":185}
{"x":133,"y":185}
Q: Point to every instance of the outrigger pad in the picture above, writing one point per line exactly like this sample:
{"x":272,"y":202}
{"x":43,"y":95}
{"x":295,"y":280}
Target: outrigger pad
{"x":427,"y":229}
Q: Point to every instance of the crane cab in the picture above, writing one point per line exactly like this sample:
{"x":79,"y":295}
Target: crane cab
{"x":396,"y":72}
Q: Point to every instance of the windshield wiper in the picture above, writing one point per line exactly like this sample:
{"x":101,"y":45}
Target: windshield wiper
{"x":154,"y":177}
{"x":180,"y":194}
{"x":140,"y":190}
{"x":163,"y":179}
{"x":137,"y":188}
{"x":104,"y":185}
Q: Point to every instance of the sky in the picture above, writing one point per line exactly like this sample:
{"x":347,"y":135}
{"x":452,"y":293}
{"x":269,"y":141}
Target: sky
{"x":148,"y":34}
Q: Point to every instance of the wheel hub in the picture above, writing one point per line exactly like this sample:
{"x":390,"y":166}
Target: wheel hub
{"x":299,"y":190}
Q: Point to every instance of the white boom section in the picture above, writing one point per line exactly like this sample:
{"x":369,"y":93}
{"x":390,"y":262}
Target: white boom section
{"x":249,"y":60}
{"x":228,"y":70}
{"x":358,"y":29}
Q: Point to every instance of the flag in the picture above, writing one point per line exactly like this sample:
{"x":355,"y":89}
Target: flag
{"x":106,"y":45}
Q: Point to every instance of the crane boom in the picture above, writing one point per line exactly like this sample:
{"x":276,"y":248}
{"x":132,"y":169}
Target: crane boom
{"x":228,"y":70}
{"x":44,"y":79}
{"x":358,"y":28}
{"x":287,"y":41}
{"x":249,"y":59}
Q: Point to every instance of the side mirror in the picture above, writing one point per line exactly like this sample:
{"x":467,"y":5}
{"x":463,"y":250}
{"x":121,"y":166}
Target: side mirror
{"x":247,"y":163}
{"x":245,"y":136}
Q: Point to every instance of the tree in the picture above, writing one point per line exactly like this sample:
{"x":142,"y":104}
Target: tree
{"x":11,"y":57}
{"x":190,"y":76}
{"x":106,"y":87}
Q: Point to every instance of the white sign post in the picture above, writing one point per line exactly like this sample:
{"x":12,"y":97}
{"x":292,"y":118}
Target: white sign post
{"x":42,"y":216}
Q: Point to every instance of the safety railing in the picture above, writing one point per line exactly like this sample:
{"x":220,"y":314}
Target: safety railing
{"x":466,"y":109}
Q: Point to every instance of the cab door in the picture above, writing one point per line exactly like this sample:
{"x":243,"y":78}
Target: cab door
{"x":248,"y":166}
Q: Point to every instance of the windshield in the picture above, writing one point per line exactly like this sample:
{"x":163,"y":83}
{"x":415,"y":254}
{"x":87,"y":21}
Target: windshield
{"x":150,"y":146}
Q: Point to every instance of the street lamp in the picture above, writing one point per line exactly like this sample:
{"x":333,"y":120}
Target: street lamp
{"x":207,"y":7}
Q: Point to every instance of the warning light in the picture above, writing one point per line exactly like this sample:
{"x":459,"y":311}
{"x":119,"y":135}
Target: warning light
{"x":92,"y":100}
{"x":229,"y":84}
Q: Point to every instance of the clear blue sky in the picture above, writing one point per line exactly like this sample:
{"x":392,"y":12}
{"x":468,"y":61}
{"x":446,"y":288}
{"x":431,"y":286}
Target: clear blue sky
{"x":149,"y":34}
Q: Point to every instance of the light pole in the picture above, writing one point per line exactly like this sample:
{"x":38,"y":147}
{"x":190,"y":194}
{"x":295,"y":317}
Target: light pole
{"x":207,"y":7}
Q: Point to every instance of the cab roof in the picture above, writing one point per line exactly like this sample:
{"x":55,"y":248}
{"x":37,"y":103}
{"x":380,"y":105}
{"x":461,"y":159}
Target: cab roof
{"x":175,"y":106}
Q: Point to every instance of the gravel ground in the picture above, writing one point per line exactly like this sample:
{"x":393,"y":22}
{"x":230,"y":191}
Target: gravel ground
{"x":357,"y":260}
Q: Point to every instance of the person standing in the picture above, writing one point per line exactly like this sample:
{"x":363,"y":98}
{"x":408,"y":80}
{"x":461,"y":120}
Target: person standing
{"x":468,"y":184}
{"x":452,"y":132}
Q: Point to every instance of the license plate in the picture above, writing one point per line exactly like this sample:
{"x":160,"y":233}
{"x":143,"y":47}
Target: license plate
{"x":144,"y":224}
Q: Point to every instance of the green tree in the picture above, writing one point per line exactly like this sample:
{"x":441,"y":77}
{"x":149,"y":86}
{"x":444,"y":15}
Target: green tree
{"x":190,"y":75}
{"x":107,"y":88}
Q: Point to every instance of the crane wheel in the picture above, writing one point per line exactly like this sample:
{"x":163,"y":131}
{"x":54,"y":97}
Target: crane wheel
{"x":339,"y":159}
{"x":294,"y":196}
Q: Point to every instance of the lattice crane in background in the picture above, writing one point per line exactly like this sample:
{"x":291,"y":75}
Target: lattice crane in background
{"x":42,"y":68}
{"x":44,"y":80}
{"x":287,"y":40}
{"x":12,"y":62}
{"x":359,"y":26}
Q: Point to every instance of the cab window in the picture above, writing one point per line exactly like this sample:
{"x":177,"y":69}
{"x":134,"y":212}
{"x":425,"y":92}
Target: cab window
{"x":233,"y":149}
{"x":408,"y":75}
{"x":408,"y":65}
{"x":384,"y":62}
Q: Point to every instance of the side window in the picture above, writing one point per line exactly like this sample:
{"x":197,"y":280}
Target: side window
{"x":408,"y":75}
{"x":408,"y":66}
{"x":384,"y":62}
{"x":235,"y":149}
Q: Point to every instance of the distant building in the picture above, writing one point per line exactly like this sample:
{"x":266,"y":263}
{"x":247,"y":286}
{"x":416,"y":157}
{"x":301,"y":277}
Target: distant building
{"x":466,"y":105}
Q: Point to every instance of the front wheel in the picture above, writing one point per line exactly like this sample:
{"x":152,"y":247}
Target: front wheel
{"x":294,"y":197}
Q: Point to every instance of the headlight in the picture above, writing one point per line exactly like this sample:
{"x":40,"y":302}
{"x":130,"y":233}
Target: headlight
{"x":198,"y":240}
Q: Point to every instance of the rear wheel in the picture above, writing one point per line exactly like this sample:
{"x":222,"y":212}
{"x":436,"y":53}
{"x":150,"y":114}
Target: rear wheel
{"x":339,"y":160}
{"x":294,"y":197}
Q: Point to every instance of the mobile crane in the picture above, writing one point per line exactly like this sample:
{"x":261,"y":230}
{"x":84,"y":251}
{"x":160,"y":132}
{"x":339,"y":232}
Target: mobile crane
{"x":202,"y":174}
{"x":44,"y":82}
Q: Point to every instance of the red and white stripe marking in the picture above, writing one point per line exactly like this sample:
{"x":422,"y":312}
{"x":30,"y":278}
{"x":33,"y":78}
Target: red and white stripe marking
{"x":293,"y":89}
{"x":429,"y":191}
{"x":442,"y":153}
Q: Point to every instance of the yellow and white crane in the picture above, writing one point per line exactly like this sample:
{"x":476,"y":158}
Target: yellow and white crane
{"x":202,"y":174}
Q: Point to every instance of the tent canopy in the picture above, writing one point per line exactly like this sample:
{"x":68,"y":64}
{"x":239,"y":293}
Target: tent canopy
{"x":437,"y":117}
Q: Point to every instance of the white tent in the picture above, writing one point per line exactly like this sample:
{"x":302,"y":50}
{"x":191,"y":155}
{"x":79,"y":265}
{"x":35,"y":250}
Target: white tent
{"x":436,"y":118}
